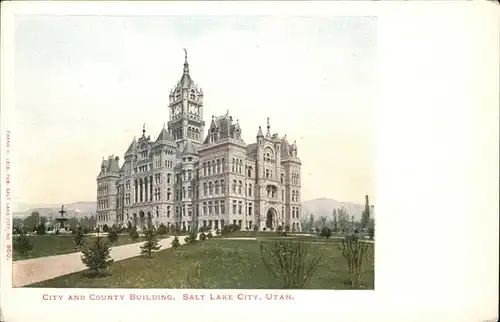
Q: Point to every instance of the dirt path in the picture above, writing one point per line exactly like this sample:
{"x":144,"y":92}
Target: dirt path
{"x":25,"y":272}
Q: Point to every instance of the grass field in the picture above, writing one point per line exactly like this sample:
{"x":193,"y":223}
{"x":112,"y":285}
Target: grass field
{"x":49,"y":245}
{"x":215,"y":263}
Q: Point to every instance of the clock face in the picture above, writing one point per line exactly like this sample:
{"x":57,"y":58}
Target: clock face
{"x":193,"y":109}
{"x":177,"y":110}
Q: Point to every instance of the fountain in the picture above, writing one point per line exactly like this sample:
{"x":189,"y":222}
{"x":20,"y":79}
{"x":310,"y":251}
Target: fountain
{"x":61,"y":221}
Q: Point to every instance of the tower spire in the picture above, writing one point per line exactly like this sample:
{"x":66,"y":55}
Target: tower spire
{"x":186,"y":65}
{"x":144,"y":129}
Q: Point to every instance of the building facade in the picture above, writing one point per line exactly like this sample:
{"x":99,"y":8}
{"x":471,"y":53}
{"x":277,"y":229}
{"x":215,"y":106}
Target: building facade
{"x":187,"y":178}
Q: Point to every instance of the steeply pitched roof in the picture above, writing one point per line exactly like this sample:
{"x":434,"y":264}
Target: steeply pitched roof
{"x":189,"y":149}
{"x":164,"y":136}
{"x":224,"y":126}
{"x":260,"y":132}
{"x":132,"y":147}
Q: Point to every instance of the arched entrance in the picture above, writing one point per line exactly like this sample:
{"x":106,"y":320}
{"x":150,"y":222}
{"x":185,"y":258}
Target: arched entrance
{"x":271,"y":217}
{"x":135,"y":219}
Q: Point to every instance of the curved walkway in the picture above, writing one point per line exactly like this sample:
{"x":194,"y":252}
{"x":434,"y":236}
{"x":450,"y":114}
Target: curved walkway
{"x":29,"y":271}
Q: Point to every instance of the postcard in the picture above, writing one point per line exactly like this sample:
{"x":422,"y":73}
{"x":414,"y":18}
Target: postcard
{"x":172,"y":158}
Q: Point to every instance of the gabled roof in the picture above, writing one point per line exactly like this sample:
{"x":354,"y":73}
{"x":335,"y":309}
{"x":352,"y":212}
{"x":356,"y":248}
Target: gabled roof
{"x":260,"y":132}
{"x":223,"y":125}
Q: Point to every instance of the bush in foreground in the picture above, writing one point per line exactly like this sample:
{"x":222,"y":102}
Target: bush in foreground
{"x":290,"y":262}
{"x":151,"y":245}
{"x":355,"y":251}
{"x":210,"y":235}
{"x":97,"y":257}
{"x":203,"y":237}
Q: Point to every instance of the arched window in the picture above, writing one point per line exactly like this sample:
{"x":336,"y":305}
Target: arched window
{"x":209,"y":168}
{"x":234,"y":186}
{"x":217,"y":187}
{"x":204,"y":169}
{"x":239,"y":187}
{"x":222,"y":164}
{"x":233,"y":164}
{"x":222,"y":187}
{"x":183,"y":192}
{"x":213,"y":167}
{"x":218,"y":166}
{"x":249,"y":190}
{"x":282,"y":177}
{"x":204,"y":188}
{"x":210,"y":188}
{"x":189,"y":192}
{"x":241,"y":167}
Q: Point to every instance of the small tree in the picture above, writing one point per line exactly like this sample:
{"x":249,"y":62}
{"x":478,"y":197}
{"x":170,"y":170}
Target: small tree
{"x":151,"y":245}
{"x":112,"y":235}
{"x":78,"y":239}
{"x":209,"y":235}
{"x":217,"y":232}
{"x":134,"y":235}
{"x":105,"y":228}
{"x":162,"y":229}
{"x":175,"y":242}
{"x":97,"y":257}
{"x":21,"y":242}
{"x":326,"y":232}
{"x":203,"y":237}
{"x":355,"y":252}
{"x":290,"y":262}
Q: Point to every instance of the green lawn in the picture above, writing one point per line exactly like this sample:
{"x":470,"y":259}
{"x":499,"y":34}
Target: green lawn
{"x":48,"y":245}
{"x":215,"y":263}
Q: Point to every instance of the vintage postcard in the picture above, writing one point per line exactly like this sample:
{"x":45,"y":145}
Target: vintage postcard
{"x":187,"y":159}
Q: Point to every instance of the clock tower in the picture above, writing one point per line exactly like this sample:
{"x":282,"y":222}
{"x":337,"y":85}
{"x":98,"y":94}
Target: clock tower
{"x":186,"y":110}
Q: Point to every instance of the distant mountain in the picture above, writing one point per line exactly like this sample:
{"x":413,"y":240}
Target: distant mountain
{"x":75,"y":209}
{"x":324,"y":207}
{"x":318,"y":207}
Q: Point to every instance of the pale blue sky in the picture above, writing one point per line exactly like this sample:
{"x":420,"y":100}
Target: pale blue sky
{"x":86,"y":84}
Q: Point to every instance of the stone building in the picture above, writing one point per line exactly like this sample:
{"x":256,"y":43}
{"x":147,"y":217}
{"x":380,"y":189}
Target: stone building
{"x":187,"y":178}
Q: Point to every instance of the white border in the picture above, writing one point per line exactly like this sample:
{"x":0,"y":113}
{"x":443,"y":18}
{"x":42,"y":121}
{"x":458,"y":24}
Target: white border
{"x":437,"y":170}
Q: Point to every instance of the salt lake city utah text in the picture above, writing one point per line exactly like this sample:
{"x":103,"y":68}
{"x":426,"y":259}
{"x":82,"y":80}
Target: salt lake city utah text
{"x":170,"y":297}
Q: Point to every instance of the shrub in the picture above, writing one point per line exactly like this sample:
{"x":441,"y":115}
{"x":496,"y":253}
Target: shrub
{"x":112,"y":236}
{"x":290,"y":262}
{"x":105,"y":228}
{"x":255,"y":227}
{"x":210,"y":235}
{"x":78,"y":239}
{"x":134,"y":235}
{"x":191,"y":238}
{"x":325,"y":232}
{"x":162,"y":229}
{"x":287,"y":228}
{"x":97,"y":257}
{"x":264,"y":229}
{"x":217,"y":232}
{"x":317,"y":230}
{"x":21,"y":242}
{"x":86,"y":230}
{"x":355,"y":252}
{"x":151,"y":243}
{"x":226,"y":230}
{"x":40,"y":229}
{"x":279,"y":229}
{"x":203,"y":237}
{"x":175,"y":242}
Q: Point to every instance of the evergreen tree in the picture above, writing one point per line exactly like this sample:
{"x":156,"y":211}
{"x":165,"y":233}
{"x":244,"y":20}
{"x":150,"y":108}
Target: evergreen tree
{"x":98,"y":257}
{"x":78,"y":239}
{"x":151,"y":243}
{"x":365,"y":218}
{"x":134,"y":235}
{"x":335,"y":223}
{"x":112,"y":235}
{"x":175,"y":243}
